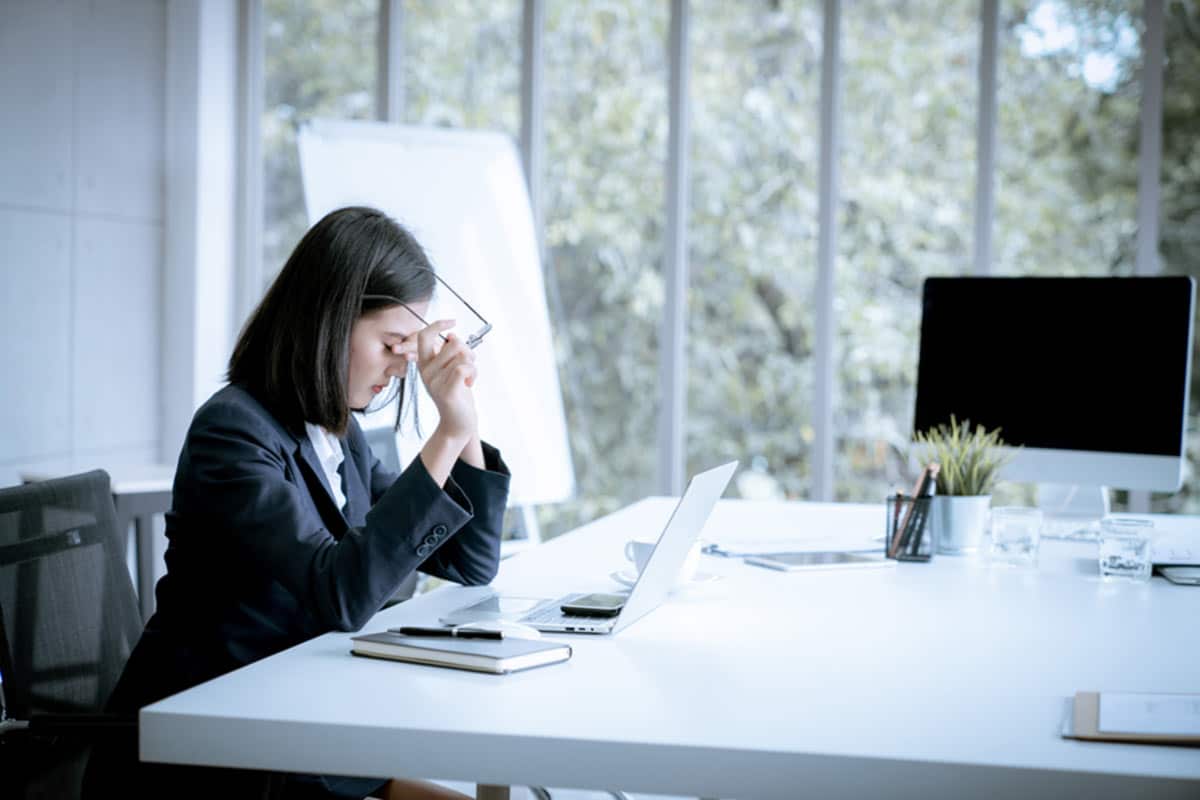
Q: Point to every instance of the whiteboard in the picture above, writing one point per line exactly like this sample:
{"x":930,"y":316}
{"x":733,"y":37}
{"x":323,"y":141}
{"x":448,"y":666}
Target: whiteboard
{"x":463,"y":196}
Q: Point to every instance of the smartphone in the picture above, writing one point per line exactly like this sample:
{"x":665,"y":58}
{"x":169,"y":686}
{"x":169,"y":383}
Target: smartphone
{"x":789,"y":562}
{"x":595,"y":605}
{"x":1184,"y":576}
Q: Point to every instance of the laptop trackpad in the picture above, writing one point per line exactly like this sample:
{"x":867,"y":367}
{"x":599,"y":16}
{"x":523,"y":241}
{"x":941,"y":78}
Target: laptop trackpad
{"x":498,"y":606}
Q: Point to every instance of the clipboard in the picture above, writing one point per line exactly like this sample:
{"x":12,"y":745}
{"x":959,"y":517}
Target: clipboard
{"x":1085,"y":717}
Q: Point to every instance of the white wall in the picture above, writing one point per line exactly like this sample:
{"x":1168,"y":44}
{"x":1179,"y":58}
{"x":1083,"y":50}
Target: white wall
{"x":201,"y":229}
{"x":118,"y":124}
{"x":82,"y":148}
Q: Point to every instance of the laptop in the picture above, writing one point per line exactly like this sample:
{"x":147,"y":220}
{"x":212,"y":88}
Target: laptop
{"x":653,"y":584}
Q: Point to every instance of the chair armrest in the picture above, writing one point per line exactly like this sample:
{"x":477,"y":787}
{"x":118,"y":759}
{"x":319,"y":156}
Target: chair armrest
{"x":88,"y":725}
{"x":71,"y":726}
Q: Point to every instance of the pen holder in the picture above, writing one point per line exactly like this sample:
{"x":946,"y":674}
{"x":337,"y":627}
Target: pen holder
{"x":908,"y":519}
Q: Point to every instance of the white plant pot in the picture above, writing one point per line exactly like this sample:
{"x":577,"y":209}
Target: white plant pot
{"x":959,"y":522}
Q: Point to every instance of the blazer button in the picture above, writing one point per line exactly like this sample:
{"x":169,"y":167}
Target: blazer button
{"x":439,"y":530}
{"x":424,"y":550}
{"x":430,"y":541}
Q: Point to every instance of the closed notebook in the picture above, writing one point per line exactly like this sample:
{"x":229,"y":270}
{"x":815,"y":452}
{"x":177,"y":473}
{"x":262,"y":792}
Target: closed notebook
{"x":1128,"y":717}
{"x":481,"y":655}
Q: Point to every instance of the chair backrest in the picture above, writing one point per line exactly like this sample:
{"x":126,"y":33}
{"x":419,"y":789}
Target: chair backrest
{"x":383,"y":444}
{"x":68,"y":613}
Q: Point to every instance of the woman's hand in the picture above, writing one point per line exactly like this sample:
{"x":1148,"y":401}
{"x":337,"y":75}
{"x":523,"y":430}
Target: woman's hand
{"x":448,"y":372}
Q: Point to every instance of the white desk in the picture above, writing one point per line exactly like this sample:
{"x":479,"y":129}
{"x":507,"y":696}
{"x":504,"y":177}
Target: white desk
{"x":939,"y":679}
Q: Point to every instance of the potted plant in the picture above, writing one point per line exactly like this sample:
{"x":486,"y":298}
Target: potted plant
{"x":970,"y":460}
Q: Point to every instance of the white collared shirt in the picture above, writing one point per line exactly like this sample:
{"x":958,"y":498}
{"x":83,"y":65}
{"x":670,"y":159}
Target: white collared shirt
{"x":329,"y":453}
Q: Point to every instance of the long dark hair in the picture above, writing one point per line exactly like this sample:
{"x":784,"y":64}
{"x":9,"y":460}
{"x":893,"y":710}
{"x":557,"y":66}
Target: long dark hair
{"x":293,"y":353}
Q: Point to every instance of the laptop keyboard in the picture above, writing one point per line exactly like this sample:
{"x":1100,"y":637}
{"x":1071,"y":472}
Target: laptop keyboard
{"x":550,"y":613}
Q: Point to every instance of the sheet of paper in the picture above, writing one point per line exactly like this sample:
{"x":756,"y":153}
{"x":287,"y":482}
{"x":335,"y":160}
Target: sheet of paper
{"x":1122,"y":712}
{"x":737,"y":546}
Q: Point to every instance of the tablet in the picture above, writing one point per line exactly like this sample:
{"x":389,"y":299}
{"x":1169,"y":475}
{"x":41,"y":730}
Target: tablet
{"x":790,"y":562}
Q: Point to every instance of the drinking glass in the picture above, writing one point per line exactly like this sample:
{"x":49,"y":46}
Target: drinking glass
{"x":1016,"y":533}
{"x":1125,"y":549}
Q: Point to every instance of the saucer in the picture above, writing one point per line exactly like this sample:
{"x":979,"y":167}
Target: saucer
{"x":625,"y":577}
{"x":628,"y":577}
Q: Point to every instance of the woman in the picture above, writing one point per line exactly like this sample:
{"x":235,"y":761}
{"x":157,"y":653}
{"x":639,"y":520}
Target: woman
{"x":283,"y":526}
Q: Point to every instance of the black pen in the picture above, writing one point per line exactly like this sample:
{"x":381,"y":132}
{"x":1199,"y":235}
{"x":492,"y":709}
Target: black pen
{"x":414,"y":630}
{"x":899,"y":498}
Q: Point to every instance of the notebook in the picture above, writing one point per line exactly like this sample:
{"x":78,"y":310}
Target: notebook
{"x":1134,"y":717}
{"x":652,"y":586}
{"x":479,"y":655}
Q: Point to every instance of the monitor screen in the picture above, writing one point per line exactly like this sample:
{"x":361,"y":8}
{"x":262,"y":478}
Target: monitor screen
{"x":1079,"y":364}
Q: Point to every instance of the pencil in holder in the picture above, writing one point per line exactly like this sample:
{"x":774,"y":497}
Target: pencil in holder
{"x":908,"y":521}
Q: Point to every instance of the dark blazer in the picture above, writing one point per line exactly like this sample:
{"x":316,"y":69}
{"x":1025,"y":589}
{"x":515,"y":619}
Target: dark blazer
{"x":259,"y":558}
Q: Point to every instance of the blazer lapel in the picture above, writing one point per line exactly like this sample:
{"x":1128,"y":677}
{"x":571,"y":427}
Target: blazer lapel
{"x":318,"y":486}
{"x":358,"y":498}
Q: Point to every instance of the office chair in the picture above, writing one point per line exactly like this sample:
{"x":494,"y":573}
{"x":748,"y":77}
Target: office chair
{"x":68,"y":621}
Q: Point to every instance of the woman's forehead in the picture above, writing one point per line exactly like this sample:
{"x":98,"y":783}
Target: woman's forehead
{"x":399,"y":320}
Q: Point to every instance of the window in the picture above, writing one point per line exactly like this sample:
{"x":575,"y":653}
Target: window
{"x":1066,"y":169}
{"x":755,"y":88}
{"x":462,"y":64}
{"x":909,"y":109}
{"x":318,"y":61}
{"x":606,"y":128}
{"x":1067,"y":138}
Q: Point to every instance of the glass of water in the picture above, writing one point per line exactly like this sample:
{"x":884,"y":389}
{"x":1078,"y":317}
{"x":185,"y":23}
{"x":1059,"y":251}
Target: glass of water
{"x":1125,"y":549}
{"x":1016,"y":533}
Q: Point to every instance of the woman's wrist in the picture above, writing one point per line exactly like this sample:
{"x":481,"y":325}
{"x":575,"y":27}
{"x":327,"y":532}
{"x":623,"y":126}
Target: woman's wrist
{"x":472,"y":453}
{"x":441,"y":451}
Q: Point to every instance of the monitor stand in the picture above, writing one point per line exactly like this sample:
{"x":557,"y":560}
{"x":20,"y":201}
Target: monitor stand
{"x":1070,"y":511}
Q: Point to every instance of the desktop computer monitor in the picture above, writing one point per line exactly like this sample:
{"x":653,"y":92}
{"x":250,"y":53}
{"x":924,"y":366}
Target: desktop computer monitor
{"x":1089,"y":376}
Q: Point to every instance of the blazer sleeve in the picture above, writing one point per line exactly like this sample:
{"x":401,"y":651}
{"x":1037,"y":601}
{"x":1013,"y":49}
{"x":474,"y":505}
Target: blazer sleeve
{"x":238,"y":486}
{"x":472,"y":556}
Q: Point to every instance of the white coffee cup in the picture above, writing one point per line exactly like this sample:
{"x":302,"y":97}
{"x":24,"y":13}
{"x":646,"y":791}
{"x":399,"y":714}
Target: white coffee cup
{"x":639,"y":553}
